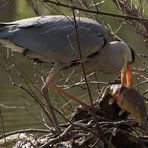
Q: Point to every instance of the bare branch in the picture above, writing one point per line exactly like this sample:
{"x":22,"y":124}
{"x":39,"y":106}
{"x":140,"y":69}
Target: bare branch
{"x":97,"y":12}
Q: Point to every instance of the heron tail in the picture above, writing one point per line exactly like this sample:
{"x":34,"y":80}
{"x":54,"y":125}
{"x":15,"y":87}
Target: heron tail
{"x":6,"y":30}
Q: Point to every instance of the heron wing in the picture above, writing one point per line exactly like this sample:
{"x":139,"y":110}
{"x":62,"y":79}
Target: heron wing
{"x":52,"y":38}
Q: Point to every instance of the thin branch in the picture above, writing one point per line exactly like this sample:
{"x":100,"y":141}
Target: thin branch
{"x":101,"y":135}
{"x":34,"y":6}
{"x":81,"y":58}
{"x":62,"y":135}
{"x":96,"y":12}
{"x":26,"y":131}
{"x":51,"y":111}
{"x":11,"y":107}
{"x":3,"y":127}
{"x":53,"y":86}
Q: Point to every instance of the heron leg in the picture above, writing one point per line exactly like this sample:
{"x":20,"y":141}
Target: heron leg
{"x":44,"y":89}
{"x":126,"y":75}
{"x":129,"y":74}
{"x":123,"y":76}
{"x":49,"y":107}
{"x":57,"y":66}
{"x":49,"y":83}
{"x":123,"y":80}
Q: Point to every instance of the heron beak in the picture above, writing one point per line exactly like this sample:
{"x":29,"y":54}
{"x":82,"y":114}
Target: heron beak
{"x":129,"y":74}
{"x":126,"y":75}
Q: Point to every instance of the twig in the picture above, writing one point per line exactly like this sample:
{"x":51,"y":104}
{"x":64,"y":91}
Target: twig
{"x":34,"y":6}
{"x":68,"y":102}
{"x":3,"y":127}
{"x":28,"y":91}
{"x":50,"y":109}
{"x":81,"y":58}
{"x":55,"y":140}
{"x":26,"y":131}
{"x":131,"y":11}
{"x":11,"y":107}
{"x":70,"y":96}
{"x":83,"y":83}
{"x":101,"y":135}
{"x":96,"y":12}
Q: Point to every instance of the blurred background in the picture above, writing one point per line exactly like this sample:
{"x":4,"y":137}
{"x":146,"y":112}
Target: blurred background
{"x":18,"y":109}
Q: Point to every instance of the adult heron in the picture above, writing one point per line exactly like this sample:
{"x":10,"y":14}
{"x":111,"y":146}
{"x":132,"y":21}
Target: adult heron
{"x":52,"y":39}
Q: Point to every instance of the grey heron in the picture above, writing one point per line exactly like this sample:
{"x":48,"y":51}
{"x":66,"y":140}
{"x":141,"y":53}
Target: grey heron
{"x":52,"y":39}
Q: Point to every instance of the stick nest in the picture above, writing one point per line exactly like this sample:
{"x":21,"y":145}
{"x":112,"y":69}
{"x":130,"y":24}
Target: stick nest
{"x":101,"y":127}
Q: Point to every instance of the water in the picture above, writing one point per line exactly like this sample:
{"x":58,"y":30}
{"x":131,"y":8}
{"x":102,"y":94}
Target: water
{"x":16,"y":104}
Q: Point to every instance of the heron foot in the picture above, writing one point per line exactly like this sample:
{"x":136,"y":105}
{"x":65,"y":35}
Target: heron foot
{"x":44,"y":89}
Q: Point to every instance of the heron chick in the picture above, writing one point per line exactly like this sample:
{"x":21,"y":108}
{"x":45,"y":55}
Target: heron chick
{"x":52,"y":39}
{"x":131,"y":101}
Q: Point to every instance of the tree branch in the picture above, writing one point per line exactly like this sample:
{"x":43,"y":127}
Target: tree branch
{"x":96,"y":11}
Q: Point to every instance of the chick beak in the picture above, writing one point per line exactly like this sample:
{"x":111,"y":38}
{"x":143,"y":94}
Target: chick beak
{"x":126,"y":75}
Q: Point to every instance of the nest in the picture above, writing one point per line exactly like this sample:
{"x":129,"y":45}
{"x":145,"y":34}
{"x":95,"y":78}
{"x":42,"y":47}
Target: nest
{"x":102,"y":127}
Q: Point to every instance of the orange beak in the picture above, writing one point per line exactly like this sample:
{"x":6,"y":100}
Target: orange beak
{"x":126,"y":75}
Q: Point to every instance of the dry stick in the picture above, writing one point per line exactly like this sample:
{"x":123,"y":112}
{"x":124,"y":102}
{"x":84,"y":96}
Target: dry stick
{"x":53,"y":86}
{"x":81,"y":58}
{"x":72,"y":124}
{"x":28,"y":78}
{"x":3,"y":128}
{"x":83,"y":83}
{"x":26,"y":90}
{"x":25,"y":131}
{"x":96,"y":79}
{"x":50,"y":109}
{"x":110,"y":145}
{"x":42,"y":122}
{"x":59,"y":104}
{"x":145,"y":92}
{"x":31,"y":94}
{"x":68,"y":102}
{"x":55,"y":140}
{"x":34,"y":6}
{"x":101,"y":135}
{"x":96,"y":12}
{"x":78,"y":83}
{"x":11,"y":107}
{"x":95,"y":143}
{"x":23,"y":75}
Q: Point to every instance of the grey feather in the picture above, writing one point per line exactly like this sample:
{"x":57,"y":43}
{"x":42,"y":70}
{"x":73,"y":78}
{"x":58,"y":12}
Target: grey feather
{"x":51,"y":38}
